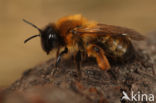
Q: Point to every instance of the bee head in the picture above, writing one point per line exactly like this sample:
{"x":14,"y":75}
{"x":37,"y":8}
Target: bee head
{"x":49,"y":37}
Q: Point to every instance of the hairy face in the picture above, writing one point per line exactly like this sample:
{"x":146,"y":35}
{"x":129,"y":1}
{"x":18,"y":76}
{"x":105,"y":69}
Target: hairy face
{"x":49,"y":38}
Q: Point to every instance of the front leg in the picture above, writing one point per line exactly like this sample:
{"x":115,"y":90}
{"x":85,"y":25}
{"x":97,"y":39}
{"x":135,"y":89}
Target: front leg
{"x":57,"y":52}
{"x":59,"y":56}
{"x":65,"y":51}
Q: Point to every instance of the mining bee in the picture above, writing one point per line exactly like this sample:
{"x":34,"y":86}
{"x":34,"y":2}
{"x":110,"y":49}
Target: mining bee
{"x":104,"y":42}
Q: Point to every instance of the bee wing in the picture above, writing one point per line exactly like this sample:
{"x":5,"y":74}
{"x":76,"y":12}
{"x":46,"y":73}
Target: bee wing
{"x":103,"y":29}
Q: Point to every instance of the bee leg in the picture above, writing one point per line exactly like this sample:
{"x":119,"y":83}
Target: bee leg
{"x":78,"y":60}
{"x":97,"y":52}
{"x":58,"y":51}
{"x":59,"y":59}
{"x":65,"y":51}
{"x":83,"y":56}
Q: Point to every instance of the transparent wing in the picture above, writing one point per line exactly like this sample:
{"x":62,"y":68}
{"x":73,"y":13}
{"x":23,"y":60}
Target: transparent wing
{"x":103,"y":29}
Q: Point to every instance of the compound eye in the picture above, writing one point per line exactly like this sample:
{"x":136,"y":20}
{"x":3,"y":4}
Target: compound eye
{"x":52,"y":36}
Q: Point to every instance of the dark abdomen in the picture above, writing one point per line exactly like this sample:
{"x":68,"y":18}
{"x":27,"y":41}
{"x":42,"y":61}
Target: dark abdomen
{"x":117,"y":48}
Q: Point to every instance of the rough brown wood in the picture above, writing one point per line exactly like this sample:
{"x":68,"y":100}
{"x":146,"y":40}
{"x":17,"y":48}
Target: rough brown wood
{"x":96,"y":86}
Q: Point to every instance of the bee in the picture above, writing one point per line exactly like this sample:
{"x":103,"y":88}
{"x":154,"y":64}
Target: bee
{"x":104,"y":42}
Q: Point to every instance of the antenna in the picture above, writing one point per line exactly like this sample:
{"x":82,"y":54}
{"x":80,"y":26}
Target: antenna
{"x":32,"y":25}
{"x":26,"y":21}
{"x":25,"y":41}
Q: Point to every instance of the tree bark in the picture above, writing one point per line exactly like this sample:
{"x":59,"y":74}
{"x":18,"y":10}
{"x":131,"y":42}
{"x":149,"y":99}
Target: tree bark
{"x":37,"y":85}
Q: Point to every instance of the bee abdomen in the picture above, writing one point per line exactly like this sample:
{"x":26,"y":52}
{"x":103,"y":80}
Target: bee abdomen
{"x":115,"y":46}
{"x":120,"y":49}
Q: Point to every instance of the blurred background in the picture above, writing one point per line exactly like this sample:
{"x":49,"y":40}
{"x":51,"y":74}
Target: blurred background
{"x":15,"y":56}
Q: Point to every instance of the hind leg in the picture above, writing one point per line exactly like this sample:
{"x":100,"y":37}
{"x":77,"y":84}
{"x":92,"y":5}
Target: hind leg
{"x":97,"y":52}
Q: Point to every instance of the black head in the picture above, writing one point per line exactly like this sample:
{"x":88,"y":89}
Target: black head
{"x":49,"y":37}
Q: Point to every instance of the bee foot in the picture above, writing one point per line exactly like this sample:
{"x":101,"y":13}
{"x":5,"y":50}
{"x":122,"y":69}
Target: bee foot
{"x":79,"y":76}
{"x":53,"y":72}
